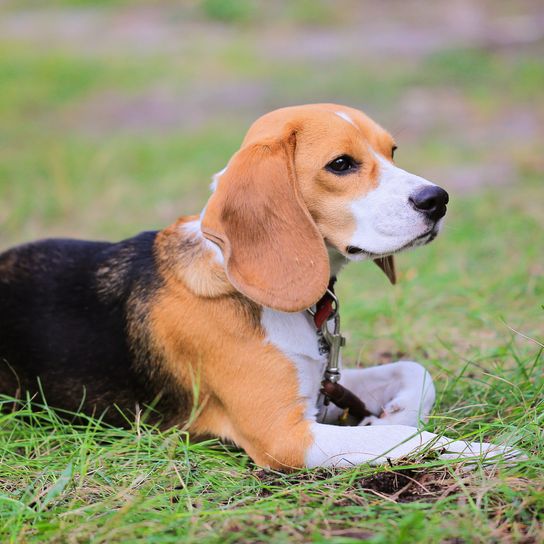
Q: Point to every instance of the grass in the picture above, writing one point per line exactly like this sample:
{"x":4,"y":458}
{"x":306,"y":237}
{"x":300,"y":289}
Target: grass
{"x":470,"y":306}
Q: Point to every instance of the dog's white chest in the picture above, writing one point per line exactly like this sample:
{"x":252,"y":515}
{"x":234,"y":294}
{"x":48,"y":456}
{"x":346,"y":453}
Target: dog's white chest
{"x":295,"y":336}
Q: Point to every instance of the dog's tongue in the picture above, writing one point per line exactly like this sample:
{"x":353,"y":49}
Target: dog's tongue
{"x":387,"y":264}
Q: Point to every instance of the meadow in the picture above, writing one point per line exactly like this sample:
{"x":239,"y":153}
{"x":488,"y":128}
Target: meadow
{"x":115,"y":116}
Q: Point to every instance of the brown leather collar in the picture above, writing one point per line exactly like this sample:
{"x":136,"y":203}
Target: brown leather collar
{"x":325,"y":306}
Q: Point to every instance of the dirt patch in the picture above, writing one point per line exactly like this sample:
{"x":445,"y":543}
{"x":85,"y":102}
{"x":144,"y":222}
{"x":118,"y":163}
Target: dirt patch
{"x":394,"y":485}
{"x":411,"y":485}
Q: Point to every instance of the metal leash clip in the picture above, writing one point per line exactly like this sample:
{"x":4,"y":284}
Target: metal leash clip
{"x":335,"y":340}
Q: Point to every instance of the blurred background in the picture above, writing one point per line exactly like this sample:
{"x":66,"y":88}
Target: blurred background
{"x":115,"y":114}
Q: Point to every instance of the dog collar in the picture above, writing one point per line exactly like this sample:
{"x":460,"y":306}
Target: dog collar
{"x":326,"y":306}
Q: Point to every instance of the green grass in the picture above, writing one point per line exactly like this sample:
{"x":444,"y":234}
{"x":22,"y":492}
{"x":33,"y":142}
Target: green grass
{"x":470,"y":306}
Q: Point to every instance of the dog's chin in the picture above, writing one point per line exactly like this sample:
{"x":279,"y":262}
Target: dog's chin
{"x":355,"y":253}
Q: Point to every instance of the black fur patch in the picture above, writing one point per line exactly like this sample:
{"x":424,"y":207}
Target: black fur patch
{"x":72,"y":315}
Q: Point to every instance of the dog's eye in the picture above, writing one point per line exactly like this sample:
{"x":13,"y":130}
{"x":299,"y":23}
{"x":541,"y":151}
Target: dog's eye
{"x":393,"y":149}
{"x":342,"y":165}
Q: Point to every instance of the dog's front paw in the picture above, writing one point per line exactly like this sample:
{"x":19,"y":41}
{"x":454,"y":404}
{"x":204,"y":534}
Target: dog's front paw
{"x":394,"y":413}
{"x":400,"y":393}
{"x":486,"y":452}
{"x":423,"y":443}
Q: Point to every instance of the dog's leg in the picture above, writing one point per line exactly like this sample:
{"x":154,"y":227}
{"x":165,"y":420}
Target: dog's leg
{"x":347,"y":446}
{"x":399,"y":393}
{"x":272,"y":425}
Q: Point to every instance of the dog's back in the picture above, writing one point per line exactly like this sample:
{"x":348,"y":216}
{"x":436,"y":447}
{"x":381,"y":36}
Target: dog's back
{"x":65,"y":309}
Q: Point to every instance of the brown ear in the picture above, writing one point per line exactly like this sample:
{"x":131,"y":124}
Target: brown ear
{"x":273,"y":251}
{"x":387,"y":264}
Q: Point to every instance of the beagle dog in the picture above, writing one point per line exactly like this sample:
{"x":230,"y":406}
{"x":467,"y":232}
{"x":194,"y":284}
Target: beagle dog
{"x":205,"y":324}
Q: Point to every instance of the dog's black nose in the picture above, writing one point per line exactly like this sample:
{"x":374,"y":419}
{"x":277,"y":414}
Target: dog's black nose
{"x":431,"y":200}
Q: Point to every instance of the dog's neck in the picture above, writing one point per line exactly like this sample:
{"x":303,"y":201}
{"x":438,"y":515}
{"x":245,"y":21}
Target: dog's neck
{"x":337,"y":261}
{"x":186,"y":256}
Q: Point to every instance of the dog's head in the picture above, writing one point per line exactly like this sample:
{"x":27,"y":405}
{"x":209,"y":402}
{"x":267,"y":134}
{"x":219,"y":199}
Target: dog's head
{"x":309,"y":182}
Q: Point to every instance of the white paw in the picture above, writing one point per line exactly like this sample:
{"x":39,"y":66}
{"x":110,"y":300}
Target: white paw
{"x":401,"y":393}
{"x":347,"y":446}
{"x":459,"y":449}
{"x":420,"y":443}
{"x":395,"y":414}
{"x":448,"y":448}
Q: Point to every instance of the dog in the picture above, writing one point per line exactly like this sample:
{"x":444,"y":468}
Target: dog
{"x":205,"y":324}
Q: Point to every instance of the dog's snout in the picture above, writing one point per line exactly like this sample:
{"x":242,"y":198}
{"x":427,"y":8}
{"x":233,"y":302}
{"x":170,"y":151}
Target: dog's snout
{"x":431,"y":200}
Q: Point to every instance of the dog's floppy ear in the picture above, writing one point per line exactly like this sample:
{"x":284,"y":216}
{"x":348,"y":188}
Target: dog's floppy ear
{"x":273,"y":251}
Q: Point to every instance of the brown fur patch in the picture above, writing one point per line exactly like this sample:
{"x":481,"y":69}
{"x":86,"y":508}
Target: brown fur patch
{"x":214,"y":348}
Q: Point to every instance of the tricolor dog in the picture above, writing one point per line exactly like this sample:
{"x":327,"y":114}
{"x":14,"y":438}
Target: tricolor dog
{"x":208,"y":324}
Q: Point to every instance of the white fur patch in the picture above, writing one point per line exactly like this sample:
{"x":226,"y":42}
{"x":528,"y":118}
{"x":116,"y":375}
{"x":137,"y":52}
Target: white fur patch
{"x":345,"y":117}
{"x":193,"y":228}
{"x":400,"y":393}
{"x":337,"y":261}
{"x":295,"y":336}
{"x":215,"y":179}
{"x":385,"y":219}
